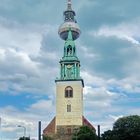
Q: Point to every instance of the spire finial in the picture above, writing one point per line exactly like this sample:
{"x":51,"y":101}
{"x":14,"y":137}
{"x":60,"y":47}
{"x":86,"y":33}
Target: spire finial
{"x":69,"y":5}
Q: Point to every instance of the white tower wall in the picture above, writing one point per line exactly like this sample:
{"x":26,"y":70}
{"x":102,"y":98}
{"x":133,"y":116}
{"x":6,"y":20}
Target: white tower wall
{"x":73,"y":118}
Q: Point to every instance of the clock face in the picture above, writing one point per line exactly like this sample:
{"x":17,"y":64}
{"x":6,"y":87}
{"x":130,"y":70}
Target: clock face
{"x":69,"y":66}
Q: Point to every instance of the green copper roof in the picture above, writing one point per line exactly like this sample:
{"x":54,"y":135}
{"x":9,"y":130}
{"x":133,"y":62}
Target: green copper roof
{"x":70,"y":64}
{"x":69,"y":40}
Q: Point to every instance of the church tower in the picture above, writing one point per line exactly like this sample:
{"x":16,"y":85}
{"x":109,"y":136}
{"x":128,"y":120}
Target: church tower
{"x":69,"y":86}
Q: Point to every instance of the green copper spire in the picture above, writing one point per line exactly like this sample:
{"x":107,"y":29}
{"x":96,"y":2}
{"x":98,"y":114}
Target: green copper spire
{"x":70,"y":64}
{"x":69,"y":35}
{"x":69,"y":48}
{"x":69,"y":31}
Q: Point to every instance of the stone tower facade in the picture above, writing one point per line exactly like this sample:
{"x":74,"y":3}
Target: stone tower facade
{"x":69,"y":85}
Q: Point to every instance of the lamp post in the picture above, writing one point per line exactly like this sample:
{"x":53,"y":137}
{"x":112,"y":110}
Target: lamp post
{"x":24,"y":128}
{"x":98,"y":132}
{"x":0,"y":130}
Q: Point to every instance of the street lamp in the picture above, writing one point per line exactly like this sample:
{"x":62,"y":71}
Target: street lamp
{"x":0,"y":130}
{"x":24,"y":128}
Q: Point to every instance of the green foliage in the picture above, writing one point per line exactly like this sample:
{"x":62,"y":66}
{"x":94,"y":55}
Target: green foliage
{"x":22,"y":138}
{"x":125,"y":128}
{"x":128,"y":128}
{"x":47,"y":138}
{"x":109,"y":135}
{"x":84,"y":133}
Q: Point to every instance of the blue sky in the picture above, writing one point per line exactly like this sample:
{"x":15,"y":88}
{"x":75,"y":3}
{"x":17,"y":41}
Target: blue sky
{"x":30,"y":50}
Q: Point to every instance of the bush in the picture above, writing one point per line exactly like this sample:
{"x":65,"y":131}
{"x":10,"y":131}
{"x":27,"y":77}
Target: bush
{"x":84,"y":133}
{"x":47,"y":138}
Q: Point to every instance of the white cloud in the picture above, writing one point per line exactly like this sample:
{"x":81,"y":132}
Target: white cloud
{"x":103,"y":99}
{"x":29,"y":63}
{"x":42,"y":106}
{"x":11,"y":117}
{"x":16,"y":67}
{"x":92,"y":80}
{"x":24,"y":65}
{"x":22,"y":39}
{"x":124,"y":31}
{"x":115,"y":117}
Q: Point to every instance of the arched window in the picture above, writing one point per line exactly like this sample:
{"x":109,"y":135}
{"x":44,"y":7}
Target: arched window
{"x":68,"y":108}
{"x":69,"y":50}
{"x":69,"y":131}
{"x":68,"y":92}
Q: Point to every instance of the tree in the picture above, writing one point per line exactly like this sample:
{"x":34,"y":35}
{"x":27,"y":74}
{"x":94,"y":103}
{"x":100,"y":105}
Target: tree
{"x":22,"y":138}
{"x":84,"y":133}
{"x":109,"y":135}
{"x":125,"y":128}
{"x":128,"y":128}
